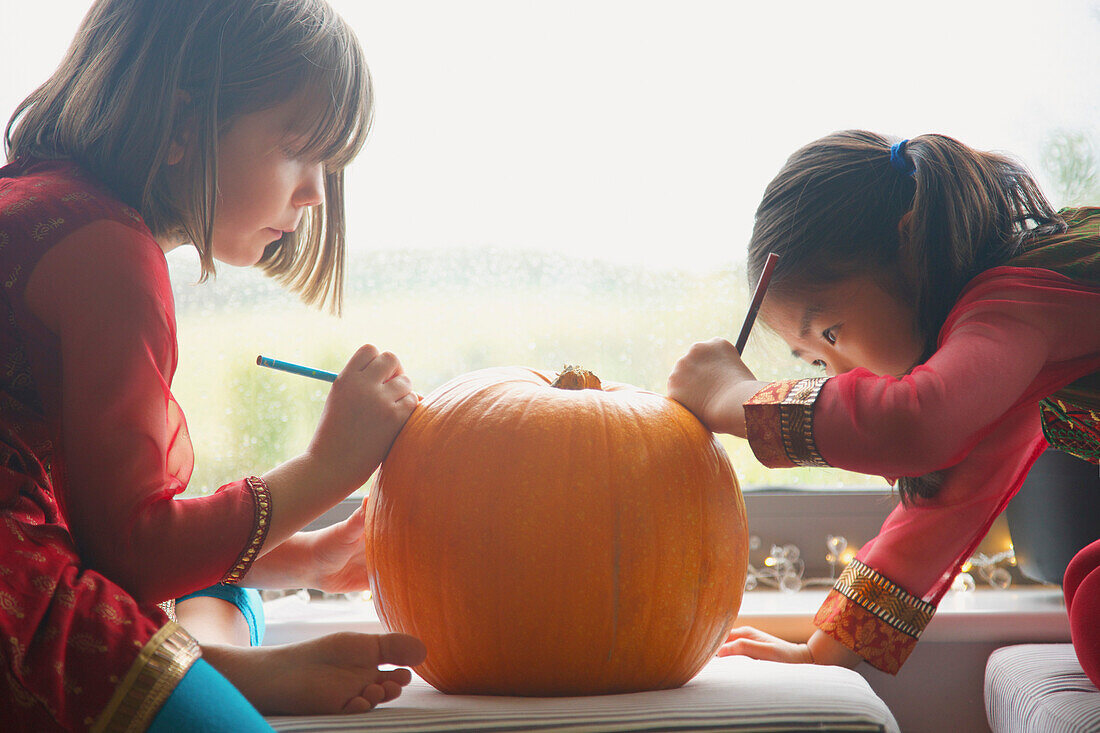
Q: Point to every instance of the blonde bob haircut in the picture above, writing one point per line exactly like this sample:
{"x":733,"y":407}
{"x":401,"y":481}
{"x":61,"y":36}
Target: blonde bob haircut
{"x":142,"y":75}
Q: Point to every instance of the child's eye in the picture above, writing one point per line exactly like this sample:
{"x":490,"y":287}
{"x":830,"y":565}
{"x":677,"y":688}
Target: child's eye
{"x":829,"y":335}
{"x":294,"y":148}
{"x":818,"y":363}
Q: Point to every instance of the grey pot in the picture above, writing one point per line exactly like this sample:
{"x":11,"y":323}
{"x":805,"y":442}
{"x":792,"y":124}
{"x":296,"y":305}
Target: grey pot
{"x":1054,"y":515}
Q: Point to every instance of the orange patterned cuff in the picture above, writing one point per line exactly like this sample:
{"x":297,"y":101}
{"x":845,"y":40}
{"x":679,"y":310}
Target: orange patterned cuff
{"x":873,"y":617}
{"x":261,"y":499}
{"x":780,"y":424}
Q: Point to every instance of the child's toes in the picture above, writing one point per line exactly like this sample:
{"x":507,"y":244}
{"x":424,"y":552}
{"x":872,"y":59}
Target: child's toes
{"x":400,"y":649}
{"x":401,"y":676}
{"x":373,"y":693}
{"x":356,"y":705}
{"x":391,"y":689}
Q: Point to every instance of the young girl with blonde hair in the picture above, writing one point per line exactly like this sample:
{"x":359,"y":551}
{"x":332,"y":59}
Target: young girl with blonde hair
{"x":956,"y":316}
{"x":224,"y":124}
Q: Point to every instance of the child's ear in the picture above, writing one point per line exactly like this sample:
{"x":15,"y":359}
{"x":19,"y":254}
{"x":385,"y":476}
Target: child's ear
{"x":181,"y":134}
{"x":903,"y":224}
{"x":175,"y":153}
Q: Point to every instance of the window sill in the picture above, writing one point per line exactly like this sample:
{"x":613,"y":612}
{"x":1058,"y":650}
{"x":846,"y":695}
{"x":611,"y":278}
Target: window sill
{"x":1026,"y":614}
{"x":1034,"y":613}
{"x":289,"y":619}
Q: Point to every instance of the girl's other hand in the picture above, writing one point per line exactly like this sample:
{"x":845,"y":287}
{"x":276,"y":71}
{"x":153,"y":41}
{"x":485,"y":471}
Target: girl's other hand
{"x":366,"y":408}
{"x":713,"y":382}
{"x":338,"y":555}
{"x":755,"y":644}
{"x":332,"y":559}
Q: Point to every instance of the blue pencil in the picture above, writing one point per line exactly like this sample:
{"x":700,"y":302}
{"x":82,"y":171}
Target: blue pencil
{"x":286,"y":366}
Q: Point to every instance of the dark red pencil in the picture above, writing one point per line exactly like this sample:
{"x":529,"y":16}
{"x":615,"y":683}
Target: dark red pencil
{"x":757,"y":299}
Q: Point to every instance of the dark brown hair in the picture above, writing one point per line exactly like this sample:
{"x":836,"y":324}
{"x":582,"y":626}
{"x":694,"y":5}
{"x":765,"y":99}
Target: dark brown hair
{"x":924,"y":225}
{"x":141,"y":75}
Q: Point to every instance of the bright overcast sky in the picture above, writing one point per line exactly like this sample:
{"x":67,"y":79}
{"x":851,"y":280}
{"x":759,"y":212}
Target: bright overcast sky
{"x":646,"y":131}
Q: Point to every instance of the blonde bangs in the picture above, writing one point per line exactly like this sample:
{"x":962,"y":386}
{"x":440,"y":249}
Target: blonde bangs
{"x":338,"y":115}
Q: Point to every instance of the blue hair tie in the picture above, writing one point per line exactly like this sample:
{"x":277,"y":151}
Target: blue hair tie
{"x":901,"y":163}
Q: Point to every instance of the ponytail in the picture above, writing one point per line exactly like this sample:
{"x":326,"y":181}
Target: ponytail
{"x":971,"y":211}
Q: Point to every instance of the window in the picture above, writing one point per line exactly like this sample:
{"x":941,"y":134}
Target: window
{"x":574,"y":182}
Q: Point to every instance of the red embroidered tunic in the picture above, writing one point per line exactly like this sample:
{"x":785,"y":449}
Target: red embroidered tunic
{"x":93,"y":450}
{"x":1017,"y":336}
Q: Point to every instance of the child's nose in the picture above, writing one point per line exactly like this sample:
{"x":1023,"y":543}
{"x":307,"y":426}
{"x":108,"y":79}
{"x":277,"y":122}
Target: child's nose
{"x":311,"y":189}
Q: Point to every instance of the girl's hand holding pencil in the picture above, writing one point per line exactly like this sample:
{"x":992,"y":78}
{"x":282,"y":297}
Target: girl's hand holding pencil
{"x":712,"y":381}
{"x":370,"y":400}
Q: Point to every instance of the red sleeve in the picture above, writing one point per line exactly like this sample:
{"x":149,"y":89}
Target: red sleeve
{"x":1015,"y":337}
{"x":125,"y":443}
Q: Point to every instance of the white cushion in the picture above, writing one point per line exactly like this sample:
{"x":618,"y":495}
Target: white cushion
{"x":729,"y":694}
{"x":1039,"y":688}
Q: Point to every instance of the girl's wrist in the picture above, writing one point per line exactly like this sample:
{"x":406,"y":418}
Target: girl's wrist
{"x":302,"y":489}
{"x":305,"y":558}
{"x":734,"y":408}
{"x":322,"y":472}
{"x":285,"y":566}
{"x":824,"y":649}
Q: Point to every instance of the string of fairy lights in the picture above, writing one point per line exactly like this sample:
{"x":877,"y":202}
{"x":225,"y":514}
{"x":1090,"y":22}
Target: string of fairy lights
{"x":783,"y":568}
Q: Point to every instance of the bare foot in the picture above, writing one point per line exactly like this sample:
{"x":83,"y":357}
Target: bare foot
{"x":332,"y":674}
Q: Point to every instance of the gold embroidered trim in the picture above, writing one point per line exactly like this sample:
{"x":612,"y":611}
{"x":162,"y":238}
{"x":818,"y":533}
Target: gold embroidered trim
{"x":169,"y":608}
{"x":796,"y":422}
{"x":159,"y":667}
{"x":779,"y":423}
{"x":261,"y":499}
{"x":883,"y":598}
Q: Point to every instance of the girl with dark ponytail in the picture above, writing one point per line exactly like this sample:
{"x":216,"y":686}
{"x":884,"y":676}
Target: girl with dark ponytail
{"x":956,"y":316}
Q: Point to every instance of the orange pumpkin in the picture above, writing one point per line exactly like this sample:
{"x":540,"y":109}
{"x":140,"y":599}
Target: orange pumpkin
{"x":548,"y":540}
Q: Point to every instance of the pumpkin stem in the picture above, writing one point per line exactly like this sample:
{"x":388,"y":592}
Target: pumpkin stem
{"x":573,"y":377}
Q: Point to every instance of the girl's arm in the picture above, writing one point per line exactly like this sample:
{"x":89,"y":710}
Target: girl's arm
{"x":366,"y":407}
{"x":1015,"y":337}
{"x":332,"y":559}
{"x":104,"y":291}
{"x":819,"y":649}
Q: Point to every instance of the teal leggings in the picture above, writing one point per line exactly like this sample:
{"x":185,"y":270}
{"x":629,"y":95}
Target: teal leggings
{"x":204,"y":701}
{"x":247,"y":601}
